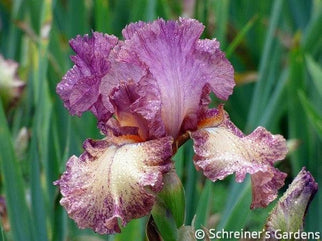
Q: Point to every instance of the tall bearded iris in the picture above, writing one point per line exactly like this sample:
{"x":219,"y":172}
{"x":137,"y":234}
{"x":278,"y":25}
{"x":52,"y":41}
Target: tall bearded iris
{"x":150,"y":93}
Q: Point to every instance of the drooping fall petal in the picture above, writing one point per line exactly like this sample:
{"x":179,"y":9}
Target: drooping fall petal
{"x":222,"y":149}
{"x":114,"y":180}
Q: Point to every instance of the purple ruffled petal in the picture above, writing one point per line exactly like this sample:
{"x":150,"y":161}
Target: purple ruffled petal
{"x":132,"y":28}
{"x":180,"y":64}
{"x":219,"y":73}
{"x":265,"y":185}
{"x":111,"y":182}
{"x":79,"y":88}
{"x":223,"y":150}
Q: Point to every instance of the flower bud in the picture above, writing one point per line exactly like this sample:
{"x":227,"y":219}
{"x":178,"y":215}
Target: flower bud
{"x":288,"y":215}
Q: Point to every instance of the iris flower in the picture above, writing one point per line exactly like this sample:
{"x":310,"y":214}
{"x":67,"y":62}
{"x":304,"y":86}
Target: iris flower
{"x":150,"y":93}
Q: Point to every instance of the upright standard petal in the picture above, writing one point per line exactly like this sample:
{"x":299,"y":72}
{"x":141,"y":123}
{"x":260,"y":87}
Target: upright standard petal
{"x":222,"y":149}
{"x":79,"y":88}
{"x":180,"y":64}
{"x":114,"y":180}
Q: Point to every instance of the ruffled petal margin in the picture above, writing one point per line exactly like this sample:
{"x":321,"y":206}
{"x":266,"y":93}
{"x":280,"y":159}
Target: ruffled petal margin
{"x":222,"y":149}
{"x":79,"y":88}
{"x":114,"y":181}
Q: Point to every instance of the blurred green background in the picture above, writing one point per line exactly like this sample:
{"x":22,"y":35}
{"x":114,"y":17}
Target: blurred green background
{"x":274,"y":46}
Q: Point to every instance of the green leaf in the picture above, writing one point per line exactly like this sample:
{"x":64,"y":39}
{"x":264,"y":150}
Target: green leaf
{"x":316,"y":73}
{"x":274,"y":102}
{"x":262,"y":85}
{"x":37,"y":194}
{"x":35,"y":10}
{"x":191,"y":182}
{"x":13,"y":38}
{"x":133,"y":231}
{"x":311,"y":40}
{"x":298,"y":127}
{"x":221,"y":9}
{"x":40,"y":129}
{"x":59,"y":223}
{"x":102,"y":15}
{"x":78,"y":19}
{"x":164,"y":220}
{"x":151,"y":10}
{"x":312,"y":114}
{"x":19,"y":215}
{"x":2,"y":237}
{"x":204,"y":204}
{"x":237,"y":208}
{"x":240,"y":36}
{"x":179,"y":162}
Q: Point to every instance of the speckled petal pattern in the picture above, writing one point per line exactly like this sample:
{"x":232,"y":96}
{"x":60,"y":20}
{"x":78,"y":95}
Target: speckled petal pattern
{"x":223,"y":150}
{"x":111,"y":182}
